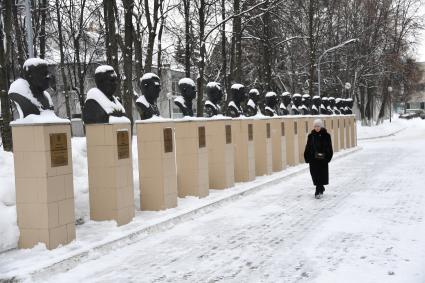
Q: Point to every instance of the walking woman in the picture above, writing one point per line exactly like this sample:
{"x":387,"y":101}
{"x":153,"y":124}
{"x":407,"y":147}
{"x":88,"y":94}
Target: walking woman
{"x":318,"y":153}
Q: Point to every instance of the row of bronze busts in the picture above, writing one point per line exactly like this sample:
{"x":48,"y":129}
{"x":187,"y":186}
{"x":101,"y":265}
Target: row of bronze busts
{"x":30,"y":97}
{"x":252,"y":103}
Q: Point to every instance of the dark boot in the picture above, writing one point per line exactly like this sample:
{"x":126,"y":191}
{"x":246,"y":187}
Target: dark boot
{"x":318,"y":192}
{"x":322,"y":189}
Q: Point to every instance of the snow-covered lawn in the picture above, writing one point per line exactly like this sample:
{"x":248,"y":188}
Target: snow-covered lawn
{"x":368,"y":228}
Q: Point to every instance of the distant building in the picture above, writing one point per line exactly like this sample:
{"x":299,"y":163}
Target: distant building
{"x":417,"y":98}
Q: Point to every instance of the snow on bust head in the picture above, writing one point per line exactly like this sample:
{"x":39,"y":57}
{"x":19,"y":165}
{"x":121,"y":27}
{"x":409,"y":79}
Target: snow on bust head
{"x":237,"y":86}
{"x":187,"y":81}
{"x":271,"y":94}
{"x":214,"y":85}
{"x":148,"y":77}
{"x":34,"y":62}
{"x":104,"y":69}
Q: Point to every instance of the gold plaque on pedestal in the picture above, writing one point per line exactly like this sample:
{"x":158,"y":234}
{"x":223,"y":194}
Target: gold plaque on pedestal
{"x":282,"y":129}
{"x":168,"y":140}
{"x":228,"y":134}
{"x":268,"y":130}
{"x":201,"y":136}
{"x":295,"y":128}
{"x":58,"y":150}
{"x":250,"y":132}
{"x":123,"y":145}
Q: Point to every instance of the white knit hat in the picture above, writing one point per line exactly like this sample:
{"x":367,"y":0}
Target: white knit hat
{"x":318,"y":122}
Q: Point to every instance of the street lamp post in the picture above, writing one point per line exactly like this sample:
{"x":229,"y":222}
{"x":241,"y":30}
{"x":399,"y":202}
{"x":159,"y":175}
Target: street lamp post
{"x":327,"y":51}
{"x":390,"y":90}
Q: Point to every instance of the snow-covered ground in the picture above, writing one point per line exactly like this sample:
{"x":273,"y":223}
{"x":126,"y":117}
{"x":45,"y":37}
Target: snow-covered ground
{"x":368,"y":228}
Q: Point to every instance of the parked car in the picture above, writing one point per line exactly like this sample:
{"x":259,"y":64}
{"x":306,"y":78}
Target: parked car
{"x":413,"y":113}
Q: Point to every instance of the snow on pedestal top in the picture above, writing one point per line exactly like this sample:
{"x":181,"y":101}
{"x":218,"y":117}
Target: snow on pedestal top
{"x":45,"y":117}
{"x":34,"y":62}
{"x":187,"y":81}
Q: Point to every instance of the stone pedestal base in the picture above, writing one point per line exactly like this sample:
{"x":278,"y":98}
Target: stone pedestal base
{"x":353,"y":131}
{"x":44,"y":184}
{"x":291,"y":133}
{"x":110,"y":169}
{"x":192,"y":158}
{"x":221,"y":165}
{"x":244,"y":152}
{"x":342,"y":132}
{"x":157,"y":165}
{"x":336,"y":133}
{"x":278,"y":144}
{"x":302,"y":137}
{"x":263,"y":147}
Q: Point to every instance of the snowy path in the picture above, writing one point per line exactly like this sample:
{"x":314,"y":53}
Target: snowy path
{"x":368,"y":228}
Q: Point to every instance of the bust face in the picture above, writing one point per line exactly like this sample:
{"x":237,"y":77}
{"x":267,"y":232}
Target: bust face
{"x":317,"y":102}
{"x":151,"y":89}
{"x":254,"y":95}
{"x":215,"y":95}
{"x":271,"y":101}
{"x":107,"y":82}
{"x":297,"y":100}
{"x":238,"y":95}
{"x":38,"y":77}
{"x":188,"y":91}
{"x":286,"y":99}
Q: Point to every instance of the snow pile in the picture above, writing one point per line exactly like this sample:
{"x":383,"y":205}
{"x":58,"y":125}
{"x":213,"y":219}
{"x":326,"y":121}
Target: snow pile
{"x":34,"y":62}
{"x":180,"y":99}
{"x":104,"y":102}
{"x":45,"y":117}
{"x":186,"y":81}
{"x":251,"y":103}
{"x":104,"y":69}
{"x":142,"y":100}
{"x":22,"y":87}
{"x":9,"y":232}
{"x":387,"y":128}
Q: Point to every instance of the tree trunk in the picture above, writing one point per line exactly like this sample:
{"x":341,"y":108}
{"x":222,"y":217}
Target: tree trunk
{"x":266,"y":50}
{"x":186,"y":5}
{"x":200,"y":80}
{"x":311,"y":46}
{"x":42,"y":35}
{"x":128,"y":56}
{"x":237,"y":42}
{"x":6,"y":131}
{"x":62,"y":61}
{"x":18,"y":37}
{"x":223,"y":43}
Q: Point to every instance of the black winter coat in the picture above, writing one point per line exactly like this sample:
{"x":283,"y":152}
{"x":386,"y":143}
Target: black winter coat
{"x":319,"y":142}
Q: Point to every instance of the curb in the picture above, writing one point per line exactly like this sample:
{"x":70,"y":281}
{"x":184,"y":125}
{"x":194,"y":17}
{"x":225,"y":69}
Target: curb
{"x":97,"y":251}
{"x":384,"y":136}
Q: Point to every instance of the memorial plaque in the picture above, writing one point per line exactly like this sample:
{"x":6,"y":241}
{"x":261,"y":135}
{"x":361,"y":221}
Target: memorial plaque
{"x":332,"y":124}
{"x":295,"y":128}
{"x":344,"y":123}
{"x":268,"y":130}
{"x":338,"y":124}
{"x":123,"y":145}
{"x":282,"y":129}
{"x":201,"y":136}
{"x":228,"y":134}
{"x":168,"y":140}
{"x":250,"y":132}
{"x":306,"y":127}
{"x":58,"y":150}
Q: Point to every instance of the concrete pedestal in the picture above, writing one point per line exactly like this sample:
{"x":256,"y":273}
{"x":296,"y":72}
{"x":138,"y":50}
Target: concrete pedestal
{"x":302,"y":137}
{"x":157,"y":165}
{"x":244,"y":152}
{"x":342,"y":134}
{"x":291,"y":133}
{"x":263,"y":147}
{"x":353,"y":131}
{"x":192,"y":158}
{"x":221,"y":165}
{"x":44,"y":184}
{"x":278,"y":144}
{"x":110,"y":169}
{"x":336,"y":133}
{"x":348,"y":132}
